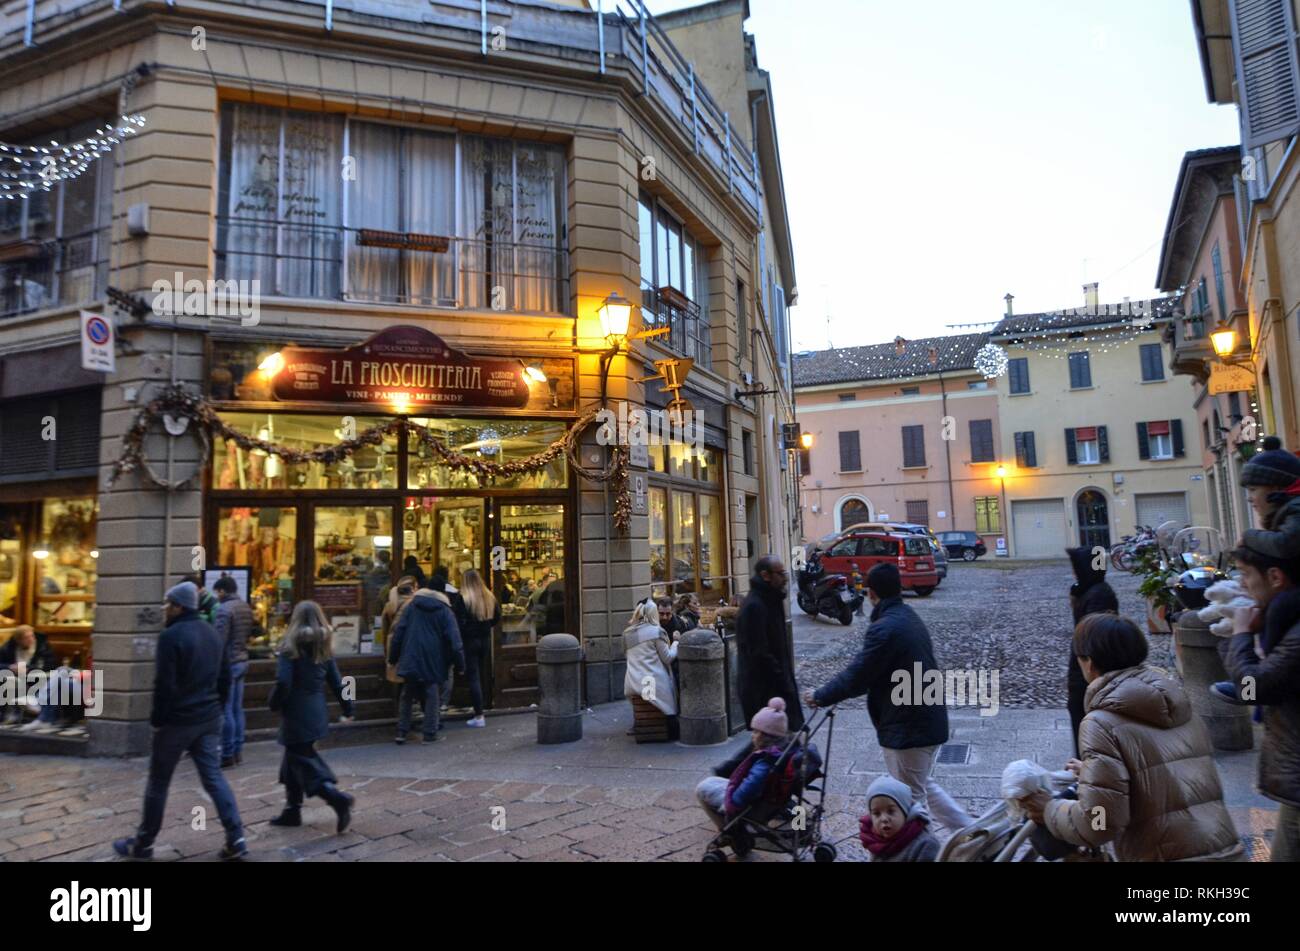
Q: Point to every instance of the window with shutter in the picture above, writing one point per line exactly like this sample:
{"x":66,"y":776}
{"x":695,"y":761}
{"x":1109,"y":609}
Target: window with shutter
{"x":74,"y":450}
{"x":1080,"y":371}
{"x":1153,"y":367}
{"x":1018,"y":374}
{"x":1268,"y":69}
{"x":850,"y":452}
{"x":1026,"y":456}
{"x":918,"y":513}
{"x":981,"y":440}
{"x":913,"y":447}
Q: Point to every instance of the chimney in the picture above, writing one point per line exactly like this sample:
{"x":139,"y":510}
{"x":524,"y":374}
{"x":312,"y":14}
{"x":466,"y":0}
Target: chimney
{"x":1009,"y":298}
{"x":1092,"y":296}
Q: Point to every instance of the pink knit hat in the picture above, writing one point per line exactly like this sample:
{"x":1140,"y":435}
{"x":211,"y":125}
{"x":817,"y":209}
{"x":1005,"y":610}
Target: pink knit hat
{"x":772,"y":719}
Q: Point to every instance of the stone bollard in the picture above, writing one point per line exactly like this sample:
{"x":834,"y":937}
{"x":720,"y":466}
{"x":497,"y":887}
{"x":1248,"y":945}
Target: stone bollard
{"x":702,"y":712}
{"x":1229,"y":725}
{"x":559,"y":706}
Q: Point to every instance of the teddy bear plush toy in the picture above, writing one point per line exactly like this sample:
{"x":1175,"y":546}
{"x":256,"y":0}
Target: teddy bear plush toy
{"x":1226,"y":599}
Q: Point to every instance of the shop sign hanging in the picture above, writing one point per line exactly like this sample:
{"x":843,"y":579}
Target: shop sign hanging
{"x":405,"y":367}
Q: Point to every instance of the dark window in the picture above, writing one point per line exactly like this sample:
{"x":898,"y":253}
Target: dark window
{"x":1234,"y":407}
{"x":981,"y":441}
{"x":742,"y":319}
{"x":1217,"y":259}
{"x":50,"y":436}
{"x":850,"y":452}
{"x":674,"y":282}
{"x":1026,"y":451}
{"x":1018,"y":373}
{"x":805,"y":462}
{"x":918,"y":513}
{"x":977,"y":385}
{"x":913,"y":446}
{"x":911,"y":391}
{"x":848,"y":397}
{"x":1153,"y":367}
{"x":1080,"y":371}
{"x":747,"y":451}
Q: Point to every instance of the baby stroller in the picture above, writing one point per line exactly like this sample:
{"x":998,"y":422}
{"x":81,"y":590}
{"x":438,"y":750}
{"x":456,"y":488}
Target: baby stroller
{"x":997,"y":837}
{"x":793,"y":826}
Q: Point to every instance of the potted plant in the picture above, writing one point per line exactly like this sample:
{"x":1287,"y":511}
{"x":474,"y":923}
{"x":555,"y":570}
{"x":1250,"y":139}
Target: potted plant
{"x":1156,"y":584}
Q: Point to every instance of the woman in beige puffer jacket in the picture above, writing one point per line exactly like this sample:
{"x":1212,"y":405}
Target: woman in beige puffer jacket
{"x":1147,"y":781}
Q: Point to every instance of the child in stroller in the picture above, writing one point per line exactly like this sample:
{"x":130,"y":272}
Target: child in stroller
{"x":894,"y":829}
{"x":756,"y":799}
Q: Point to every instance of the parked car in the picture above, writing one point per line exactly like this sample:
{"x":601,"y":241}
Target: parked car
{"x":964,"y":545}
{"x":940,"y":557}
{"x":861,"y":550}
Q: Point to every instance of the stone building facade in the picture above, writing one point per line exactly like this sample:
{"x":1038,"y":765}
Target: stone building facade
{"x":404,"y":176}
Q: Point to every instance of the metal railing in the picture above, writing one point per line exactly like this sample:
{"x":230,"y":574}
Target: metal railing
{"x":688,"y":325}
{"x":37,"y":274}
{"x":625,"y":37}
{"x":292,"y":259}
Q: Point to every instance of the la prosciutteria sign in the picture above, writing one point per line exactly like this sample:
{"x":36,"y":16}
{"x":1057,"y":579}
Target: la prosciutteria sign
{"x":401,"y":366}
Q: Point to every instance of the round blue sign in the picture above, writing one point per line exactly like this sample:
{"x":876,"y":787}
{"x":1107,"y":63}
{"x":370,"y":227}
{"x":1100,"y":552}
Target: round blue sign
{"x":97,"y":330}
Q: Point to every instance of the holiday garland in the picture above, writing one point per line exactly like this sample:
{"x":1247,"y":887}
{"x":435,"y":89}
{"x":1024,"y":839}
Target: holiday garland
{"x":173,"y":401}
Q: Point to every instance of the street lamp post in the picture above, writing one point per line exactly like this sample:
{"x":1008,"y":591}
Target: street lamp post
{"x":1003,"y":515}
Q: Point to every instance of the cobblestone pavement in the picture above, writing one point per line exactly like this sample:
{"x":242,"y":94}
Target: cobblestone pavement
{"x":602,"y":798}
{"x":1013,"y":617}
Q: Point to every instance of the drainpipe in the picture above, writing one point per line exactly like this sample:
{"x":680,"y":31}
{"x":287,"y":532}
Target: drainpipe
{"x":947,"y":451}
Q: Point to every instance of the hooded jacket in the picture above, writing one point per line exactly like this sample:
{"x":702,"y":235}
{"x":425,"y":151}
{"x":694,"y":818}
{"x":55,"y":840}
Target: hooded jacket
{"x":1148,"y":781}
{"x":1090,"y":594}
{"x":1276,"y":681}
{"x":1280,"y":536}
{"x":426,"y":640}
{"x":191,"y":673}
{"x":765,"y":666}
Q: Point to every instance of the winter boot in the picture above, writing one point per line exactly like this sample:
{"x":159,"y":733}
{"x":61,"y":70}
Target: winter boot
{"x":292,"y":816}
{"x":342,"y":804}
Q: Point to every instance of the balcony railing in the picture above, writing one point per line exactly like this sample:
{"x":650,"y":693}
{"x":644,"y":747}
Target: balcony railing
{"x":292,"y":259}
{"x":38,"y":274}
{"x":688,"y":326}
{"x":621,"y":36}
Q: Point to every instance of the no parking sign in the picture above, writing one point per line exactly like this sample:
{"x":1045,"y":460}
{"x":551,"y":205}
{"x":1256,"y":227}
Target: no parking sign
{"x":97,"y":352}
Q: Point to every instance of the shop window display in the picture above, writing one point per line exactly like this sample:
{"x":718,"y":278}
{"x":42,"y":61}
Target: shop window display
{"x":66,"y":562}
{"x":372,"y":467}
{"x":683,"y":523}
{"x":263,"y":540}
{"x":353,"y":548}
{"x":496,"y":440}
{"x":658,"y":535}
{"x":11,"y":561}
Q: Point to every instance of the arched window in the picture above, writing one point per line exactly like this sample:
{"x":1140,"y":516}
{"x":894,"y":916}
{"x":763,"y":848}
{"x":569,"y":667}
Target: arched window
{"x":853,"y":512}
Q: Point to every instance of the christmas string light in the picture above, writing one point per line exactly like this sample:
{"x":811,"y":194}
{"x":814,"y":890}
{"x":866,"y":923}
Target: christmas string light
{"x":991,"y":361}
{"x":26,"y":169}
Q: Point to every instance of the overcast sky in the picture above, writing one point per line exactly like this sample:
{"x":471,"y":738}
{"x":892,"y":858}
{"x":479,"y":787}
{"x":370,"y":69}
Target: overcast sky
{"x":938,"y":155}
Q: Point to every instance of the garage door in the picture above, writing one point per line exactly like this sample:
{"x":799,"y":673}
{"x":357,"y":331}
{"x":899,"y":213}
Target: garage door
{"x":1038,"y":528}
{"x":1161,"y":507}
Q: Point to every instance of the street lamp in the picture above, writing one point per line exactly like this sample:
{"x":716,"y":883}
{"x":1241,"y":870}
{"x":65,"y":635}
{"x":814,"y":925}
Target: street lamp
{"x":615,"y":318}
{"x":806,"y":440}
{"x":1225,"y":342}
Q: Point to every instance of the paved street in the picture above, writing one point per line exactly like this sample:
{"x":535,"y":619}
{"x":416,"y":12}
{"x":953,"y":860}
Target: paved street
{"x":603,"y":798}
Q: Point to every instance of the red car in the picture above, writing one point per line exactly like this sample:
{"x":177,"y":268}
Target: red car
{"x":863,"y":550}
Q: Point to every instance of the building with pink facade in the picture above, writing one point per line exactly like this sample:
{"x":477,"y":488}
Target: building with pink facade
{"x":905,"y":431}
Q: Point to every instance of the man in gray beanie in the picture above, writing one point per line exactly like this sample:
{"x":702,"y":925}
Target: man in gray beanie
{"x":191,"y":682}
{"x":1272,"y":481}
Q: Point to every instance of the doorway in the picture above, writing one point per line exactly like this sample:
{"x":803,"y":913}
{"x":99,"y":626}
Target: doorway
{"x":528,"y":578}
{"x":1094,"y":519}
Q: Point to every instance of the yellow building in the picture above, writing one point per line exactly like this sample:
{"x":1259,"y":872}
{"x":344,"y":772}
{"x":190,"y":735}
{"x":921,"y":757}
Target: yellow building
{"x":1098,"y":435}
{"x":1250,"y":58}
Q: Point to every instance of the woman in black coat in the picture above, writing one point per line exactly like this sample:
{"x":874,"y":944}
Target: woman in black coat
{"x":305,"y":666}
{"x":481,"y":612}
{"x":1090,"y":594}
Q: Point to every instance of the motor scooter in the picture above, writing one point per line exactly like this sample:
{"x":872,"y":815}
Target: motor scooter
{"x":828,"y":594}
